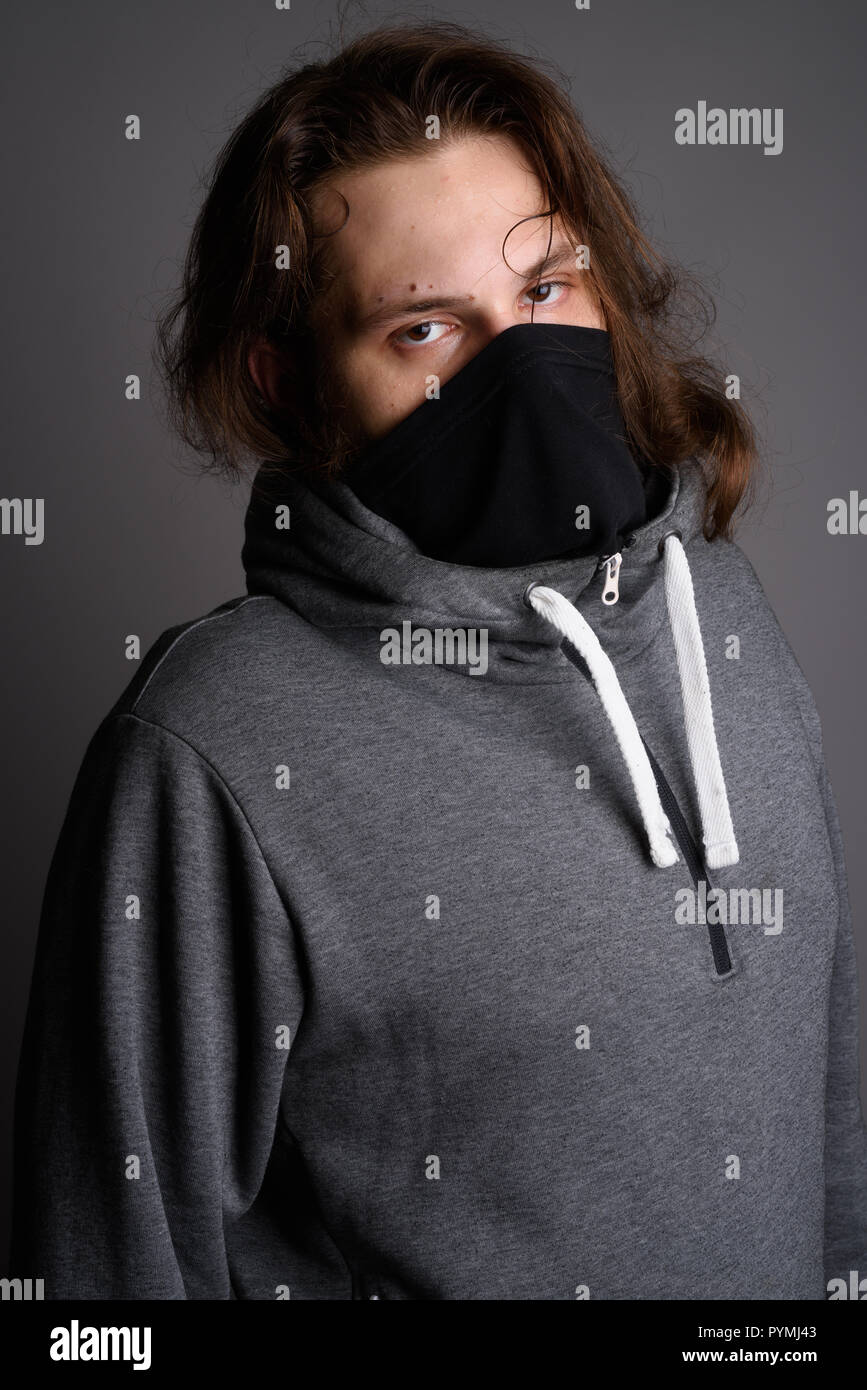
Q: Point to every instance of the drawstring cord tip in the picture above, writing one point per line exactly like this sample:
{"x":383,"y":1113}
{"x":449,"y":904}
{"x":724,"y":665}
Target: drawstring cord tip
{"x":720,"y":856}
{"x":663,"y":854}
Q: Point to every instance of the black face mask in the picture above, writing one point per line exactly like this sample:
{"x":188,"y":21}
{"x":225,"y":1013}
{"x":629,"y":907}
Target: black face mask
{"x":500,"y":469}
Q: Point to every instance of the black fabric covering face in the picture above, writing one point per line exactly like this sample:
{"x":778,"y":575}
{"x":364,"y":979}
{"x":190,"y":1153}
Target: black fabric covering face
{"x":492,"y":472}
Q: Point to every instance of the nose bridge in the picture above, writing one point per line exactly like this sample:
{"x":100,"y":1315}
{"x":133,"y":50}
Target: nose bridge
{"x":495,"y":318}
{"x":489,"y":321}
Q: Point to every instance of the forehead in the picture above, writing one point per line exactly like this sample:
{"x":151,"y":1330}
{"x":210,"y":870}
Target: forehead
{"x":439,"y":217}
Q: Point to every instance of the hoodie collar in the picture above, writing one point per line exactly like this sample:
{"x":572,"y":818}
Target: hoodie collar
{"x":311,"y":543}
{"x":343,"y":567}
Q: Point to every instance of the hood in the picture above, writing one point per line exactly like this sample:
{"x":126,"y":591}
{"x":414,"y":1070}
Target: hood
{"x":311,"y":543}
{"x":340,"y":565}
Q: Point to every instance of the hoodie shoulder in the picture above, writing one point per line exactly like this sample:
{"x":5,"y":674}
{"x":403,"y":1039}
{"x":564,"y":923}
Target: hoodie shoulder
{"x":729,"y":581}
{"x":742,"y":589}
{"x":198,"y":675}
{"x":751,"y":599}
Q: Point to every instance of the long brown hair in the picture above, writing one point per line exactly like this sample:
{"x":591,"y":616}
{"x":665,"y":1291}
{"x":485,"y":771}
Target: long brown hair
{"x":367,"y":104}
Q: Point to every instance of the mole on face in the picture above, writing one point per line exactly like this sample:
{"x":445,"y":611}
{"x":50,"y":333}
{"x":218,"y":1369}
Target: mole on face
{"x":412,"y":286}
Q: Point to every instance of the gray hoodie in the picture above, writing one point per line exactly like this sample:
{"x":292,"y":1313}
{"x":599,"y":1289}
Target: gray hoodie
{"x":374,"y":964}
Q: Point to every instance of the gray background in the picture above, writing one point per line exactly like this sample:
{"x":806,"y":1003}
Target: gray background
{"x":95,"y":229}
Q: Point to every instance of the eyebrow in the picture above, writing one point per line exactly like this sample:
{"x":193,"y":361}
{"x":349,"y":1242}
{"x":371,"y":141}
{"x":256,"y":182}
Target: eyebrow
{"x":554,"y":260}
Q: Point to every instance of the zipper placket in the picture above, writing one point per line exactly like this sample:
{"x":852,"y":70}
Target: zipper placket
{"x":695,"y":863}
{"x":689,"y":849}
{"x":611,"y":565}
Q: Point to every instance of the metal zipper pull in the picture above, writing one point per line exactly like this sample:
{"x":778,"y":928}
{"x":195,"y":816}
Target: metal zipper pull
{"x":611,"y":592}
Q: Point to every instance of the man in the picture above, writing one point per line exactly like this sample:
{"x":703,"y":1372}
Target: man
{"x":439,"y":920}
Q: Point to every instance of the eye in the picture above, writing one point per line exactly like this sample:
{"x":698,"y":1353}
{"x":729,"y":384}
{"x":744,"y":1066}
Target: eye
{"x":424,"y":329}
{"x":544,"y":288}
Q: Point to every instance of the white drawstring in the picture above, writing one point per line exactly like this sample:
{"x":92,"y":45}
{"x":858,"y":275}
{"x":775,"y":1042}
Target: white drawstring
{"x":717,"y":829}
{"x":720,"y":846}
{"x":565,"y":617}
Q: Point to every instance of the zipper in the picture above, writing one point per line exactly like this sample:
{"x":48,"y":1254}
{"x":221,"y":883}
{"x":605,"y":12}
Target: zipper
{"x":611,"y":565}
{"x":694,"y":860}
{"x":689,"y":849}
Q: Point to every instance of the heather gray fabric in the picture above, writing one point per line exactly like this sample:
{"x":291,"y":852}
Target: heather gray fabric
{"x":437,"y":914}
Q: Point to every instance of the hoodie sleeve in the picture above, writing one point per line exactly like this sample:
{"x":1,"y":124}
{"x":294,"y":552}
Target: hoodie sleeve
{"x":164,"y":999}
{"x":845,"y":1134}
